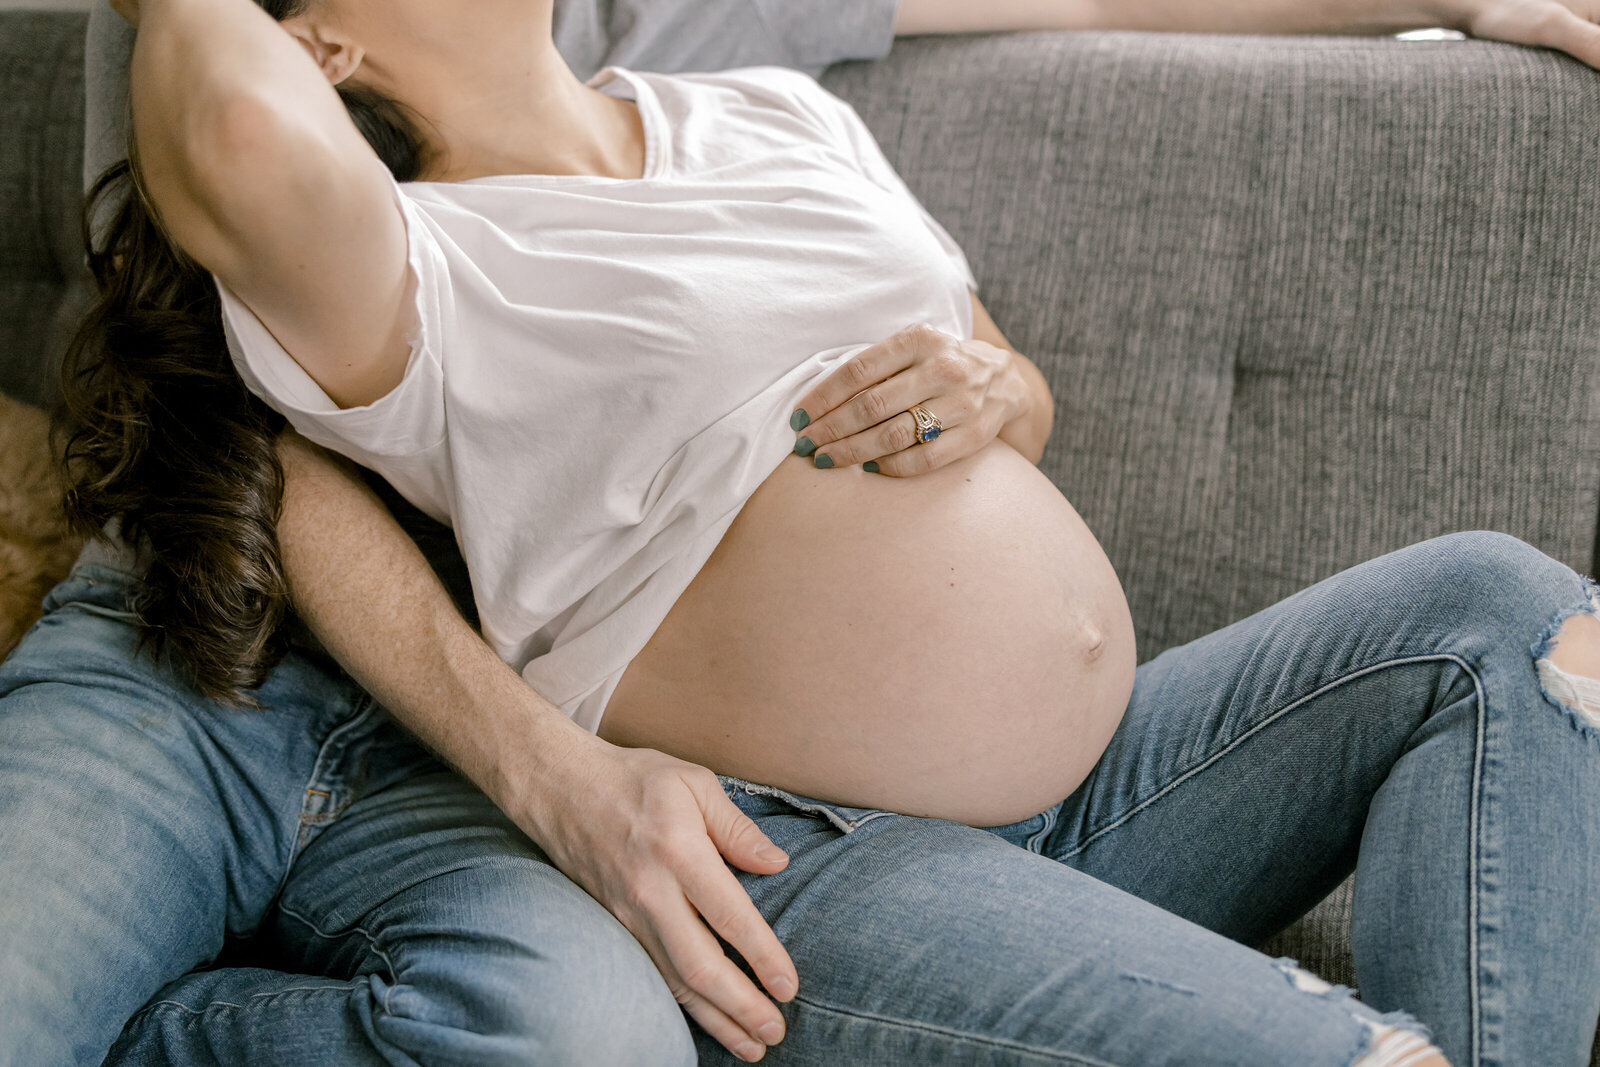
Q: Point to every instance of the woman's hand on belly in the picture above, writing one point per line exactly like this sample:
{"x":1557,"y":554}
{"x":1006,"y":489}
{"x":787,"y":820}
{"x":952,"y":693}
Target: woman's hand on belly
{"x":646,"y":834}
{"x":862,"y":411}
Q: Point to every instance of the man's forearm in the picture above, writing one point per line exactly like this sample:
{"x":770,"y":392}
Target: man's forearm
{"x":368,"y":594}
{"x":1222,"y":16}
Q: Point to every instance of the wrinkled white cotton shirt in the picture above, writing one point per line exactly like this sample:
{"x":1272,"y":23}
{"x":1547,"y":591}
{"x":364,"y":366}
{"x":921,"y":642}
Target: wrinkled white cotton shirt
{"x":604,"y":369}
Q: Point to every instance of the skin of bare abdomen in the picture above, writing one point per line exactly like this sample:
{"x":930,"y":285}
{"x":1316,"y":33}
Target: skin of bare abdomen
{"x":953,"y":645}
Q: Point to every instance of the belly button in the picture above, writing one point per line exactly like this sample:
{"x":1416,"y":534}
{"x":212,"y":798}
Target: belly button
{"x":1094,"y":640}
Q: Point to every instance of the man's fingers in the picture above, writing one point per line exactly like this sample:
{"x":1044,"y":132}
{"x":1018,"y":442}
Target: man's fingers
{"x":707,"y":971}
{"x":737,"y":836}
{"x":1543,"y":24}
{"x":1576,"y":36}
{"x":719,"y":898}
{"x":716,"y":1022}
{"x":717,"y":895}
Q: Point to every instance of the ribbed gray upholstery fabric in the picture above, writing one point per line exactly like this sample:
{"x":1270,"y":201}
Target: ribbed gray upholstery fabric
{"x":42,"y":279}
{"x":1300,"y":301}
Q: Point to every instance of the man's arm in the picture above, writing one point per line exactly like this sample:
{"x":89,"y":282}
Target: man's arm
{"x":643,"y":833}
{"x":1566,"y":25}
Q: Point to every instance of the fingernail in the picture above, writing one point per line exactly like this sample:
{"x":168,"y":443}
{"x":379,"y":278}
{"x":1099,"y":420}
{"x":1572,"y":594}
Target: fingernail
{"x":782,"y":987}
{"x":772,"y":1033}
{"x":748,"y":1051}
{"x":771,"y":853}
{"x":870,"y":466}
{"x":799,"y":420}
{"x":824,"y":461}
{"x":804,"y":447}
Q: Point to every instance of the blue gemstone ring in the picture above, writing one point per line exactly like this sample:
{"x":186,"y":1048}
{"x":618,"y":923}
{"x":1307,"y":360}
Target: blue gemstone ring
{"x":928,"y":424}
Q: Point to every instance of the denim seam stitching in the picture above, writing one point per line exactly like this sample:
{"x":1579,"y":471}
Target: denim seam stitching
{"x":1475,"y":850}
{"x":365,"y":706}
{"x":372,"y":941}
{"x":1257,"y":728}
{"x":1245,"y":736}
{"x":1473,"y":837}
{"x":957,"y":1035}
{"x":156,"y":1005}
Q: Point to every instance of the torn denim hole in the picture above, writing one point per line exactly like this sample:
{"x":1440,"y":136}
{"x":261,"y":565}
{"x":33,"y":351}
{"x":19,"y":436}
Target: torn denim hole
{"x":1576,"y":694}
{"x":1393,"y":1039}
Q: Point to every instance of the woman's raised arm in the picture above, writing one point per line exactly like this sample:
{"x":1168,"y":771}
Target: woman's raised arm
{"x":256,"y":170}
{"x":643,"y":833}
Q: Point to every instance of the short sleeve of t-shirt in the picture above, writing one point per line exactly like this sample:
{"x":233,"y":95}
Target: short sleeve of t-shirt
{"x":410,"y":418}
{"x":845,"y":127}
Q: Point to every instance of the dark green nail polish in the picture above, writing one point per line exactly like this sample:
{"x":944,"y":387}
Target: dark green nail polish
{"x":804,"y":447}
{"x":799,"y":420}
{"x":870,"y":466}
{"x":824,"y":461}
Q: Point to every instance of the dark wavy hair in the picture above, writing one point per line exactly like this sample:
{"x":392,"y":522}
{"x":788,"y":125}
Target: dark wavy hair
{"x":161,"y":434}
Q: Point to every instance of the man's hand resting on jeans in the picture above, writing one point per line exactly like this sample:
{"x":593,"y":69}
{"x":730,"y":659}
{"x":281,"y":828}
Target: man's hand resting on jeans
{"x":646,"y":835}
{"x":643,"y":833}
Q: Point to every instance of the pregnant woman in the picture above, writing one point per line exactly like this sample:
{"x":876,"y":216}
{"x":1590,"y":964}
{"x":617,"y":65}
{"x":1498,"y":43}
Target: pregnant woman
{"x":744,"y":477}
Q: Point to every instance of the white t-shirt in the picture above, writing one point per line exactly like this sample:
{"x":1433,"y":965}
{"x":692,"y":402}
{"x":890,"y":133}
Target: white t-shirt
{"x":604,"y":369}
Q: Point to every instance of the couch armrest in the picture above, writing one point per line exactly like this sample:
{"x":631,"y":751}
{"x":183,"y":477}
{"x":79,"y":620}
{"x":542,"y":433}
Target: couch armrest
{"x":1301,"y":301}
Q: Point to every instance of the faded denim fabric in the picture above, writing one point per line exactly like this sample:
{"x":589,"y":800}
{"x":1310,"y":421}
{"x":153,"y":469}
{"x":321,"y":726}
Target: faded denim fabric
{"x":298,"y":885}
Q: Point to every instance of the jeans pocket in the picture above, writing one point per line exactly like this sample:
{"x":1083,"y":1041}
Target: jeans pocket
{"x":843,"y":818}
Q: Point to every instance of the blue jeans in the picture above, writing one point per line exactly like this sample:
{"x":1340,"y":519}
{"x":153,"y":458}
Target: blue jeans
{"x":300,"y":885}
{"x":1388,"y":720}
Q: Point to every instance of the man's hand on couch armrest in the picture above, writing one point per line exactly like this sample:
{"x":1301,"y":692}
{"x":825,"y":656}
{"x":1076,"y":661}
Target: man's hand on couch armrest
{"x":1571,"y":26}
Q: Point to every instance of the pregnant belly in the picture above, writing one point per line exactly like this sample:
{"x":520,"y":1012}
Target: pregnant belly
{"x":953,"y":645}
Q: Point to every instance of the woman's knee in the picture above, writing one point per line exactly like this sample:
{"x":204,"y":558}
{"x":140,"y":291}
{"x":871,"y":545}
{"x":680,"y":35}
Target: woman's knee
{"x":1483,"y":581}
{"x":1484,"y":565}
{"x":1520,"y":600}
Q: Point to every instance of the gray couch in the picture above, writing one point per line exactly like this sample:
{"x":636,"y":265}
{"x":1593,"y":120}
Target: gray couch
{"x":1300,"y":301}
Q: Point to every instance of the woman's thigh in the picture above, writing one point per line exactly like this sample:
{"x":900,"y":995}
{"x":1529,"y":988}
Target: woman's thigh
{"x":1389,"y":720}
{"x":1239,"y":785}
{"x":927,"y":942}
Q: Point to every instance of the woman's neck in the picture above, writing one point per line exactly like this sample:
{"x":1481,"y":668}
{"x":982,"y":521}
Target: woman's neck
{"x":509,"y":108}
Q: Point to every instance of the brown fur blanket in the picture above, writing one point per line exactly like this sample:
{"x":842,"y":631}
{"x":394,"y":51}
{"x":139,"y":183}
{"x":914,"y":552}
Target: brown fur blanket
{"x":36,"y":548}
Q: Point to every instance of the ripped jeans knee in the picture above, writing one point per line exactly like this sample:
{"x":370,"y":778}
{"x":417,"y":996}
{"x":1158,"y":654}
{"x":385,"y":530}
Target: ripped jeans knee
{"x":1573,"y":687}
{"x":1394,"y":1039}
